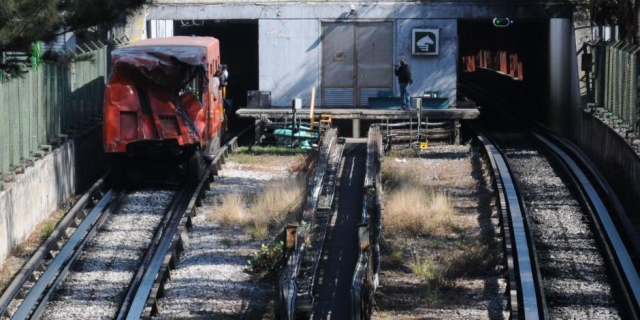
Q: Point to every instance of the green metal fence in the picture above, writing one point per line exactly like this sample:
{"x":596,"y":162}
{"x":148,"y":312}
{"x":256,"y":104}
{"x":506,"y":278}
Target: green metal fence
{"x":616,"y":83}
{"x":45,"y":106}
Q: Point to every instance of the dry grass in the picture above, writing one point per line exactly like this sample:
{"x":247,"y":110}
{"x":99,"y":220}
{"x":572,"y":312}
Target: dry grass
{"x":398,"y":175}
{"x":279,"y":201}
{"x":279,"y":197}
{"x":419,"y":211}
{"x":474,"y":259}
{"x":257,"y":155}
{"x":230,"y":210}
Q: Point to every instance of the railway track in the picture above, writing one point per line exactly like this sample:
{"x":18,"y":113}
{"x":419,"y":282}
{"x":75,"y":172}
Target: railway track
{"x":104,"y":258}
{"x":332,"y":265}
{"x":581,"y":251}
{"x":564,"y":255}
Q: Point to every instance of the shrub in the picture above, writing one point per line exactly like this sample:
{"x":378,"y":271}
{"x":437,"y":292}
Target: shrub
{"x":266,"y":261}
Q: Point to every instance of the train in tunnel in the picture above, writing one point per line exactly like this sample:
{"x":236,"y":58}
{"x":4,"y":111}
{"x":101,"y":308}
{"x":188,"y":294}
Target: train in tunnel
{"x":163,"y":107}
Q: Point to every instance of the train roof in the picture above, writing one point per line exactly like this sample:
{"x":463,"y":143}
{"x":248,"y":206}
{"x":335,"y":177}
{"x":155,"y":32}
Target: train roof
{"x":189,"y":50}
{"x":180,"y":41}
{"x":161,"y":59}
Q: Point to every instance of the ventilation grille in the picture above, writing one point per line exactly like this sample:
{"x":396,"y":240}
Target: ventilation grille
{"x":366,"y":93}
{"x":338,"y":97}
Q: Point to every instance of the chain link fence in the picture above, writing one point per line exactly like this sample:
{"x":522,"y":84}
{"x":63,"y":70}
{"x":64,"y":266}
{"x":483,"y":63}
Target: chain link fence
{"x":42,"y":108}
{"x":615,"y":84}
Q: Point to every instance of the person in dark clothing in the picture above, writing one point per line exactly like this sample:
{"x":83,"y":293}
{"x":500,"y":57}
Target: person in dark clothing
{"x":403,"y":72}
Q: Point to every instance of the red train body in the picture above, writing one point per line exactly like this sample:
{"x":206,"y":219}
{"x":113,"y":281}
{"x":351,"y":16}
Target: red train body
{"x":163,"y":104}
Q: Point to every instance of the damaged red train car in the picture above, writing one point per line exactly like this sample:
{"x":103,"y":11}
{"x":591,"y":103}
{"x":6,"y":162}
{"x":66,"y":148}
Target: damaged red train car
{"x":162,"y":106}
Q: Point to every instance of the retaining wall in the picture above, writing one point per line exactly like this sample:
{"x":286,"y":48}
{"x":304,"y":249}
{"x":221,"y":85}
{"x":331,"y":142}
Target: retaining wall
{"x":617,"y":161}
{"x":43,"y":187}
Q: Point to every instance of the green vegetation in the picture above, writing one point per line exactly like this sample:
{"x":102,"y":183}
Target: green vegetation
{"x":25,"y":22}
{"x":267,"y":261}
{"x":264,"y":155}
{"x":270,"y":150}
{"x":47,"y":230}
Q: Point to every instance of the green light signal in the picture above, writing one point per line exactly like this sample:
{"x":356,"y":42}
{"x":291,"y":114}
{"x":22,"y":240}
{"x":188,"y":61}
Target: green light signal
{"x":501,"y":22}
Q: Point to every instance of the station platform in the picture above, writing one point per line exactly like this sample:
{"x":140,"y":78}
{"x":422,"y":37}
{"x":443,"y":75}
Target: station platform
{"x":443,"y":123}
{"x":460,"y":113}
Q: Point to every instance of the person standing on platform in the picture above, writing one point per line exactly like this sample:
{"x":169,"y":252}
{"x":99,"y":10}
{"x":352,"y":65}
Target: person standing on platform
{"x":403,"y":72}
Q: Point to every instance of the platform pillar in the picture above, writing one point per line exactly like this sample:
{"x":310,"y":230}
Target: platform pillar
{"x":356,"y":128}
{"x":257,"y":133}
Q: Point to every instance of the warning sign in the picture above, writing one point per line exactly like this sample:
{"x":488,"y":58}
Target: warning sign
{"x":425,"y":41}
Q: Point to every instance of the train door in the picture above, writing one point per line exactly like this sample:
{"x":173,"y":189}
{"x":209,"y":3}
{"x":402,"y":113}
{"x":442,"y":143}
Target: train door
{"x":357,"y":62}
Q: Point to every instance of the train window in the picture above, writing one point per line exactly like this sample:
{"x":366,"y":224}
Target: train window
{"x":194,"y":81}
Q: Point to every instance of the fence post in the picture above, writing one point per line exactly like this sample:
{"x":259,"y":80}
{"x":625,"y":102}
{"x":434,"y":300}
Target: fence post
{"x":4,"y":129}
{"x":633,"y":95}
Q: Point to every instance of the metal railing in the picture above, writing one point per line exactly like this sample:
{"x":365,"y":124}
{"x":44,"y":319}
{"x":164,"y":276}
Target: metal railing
{"x":615,"y":81}
{"x":43,"y":107}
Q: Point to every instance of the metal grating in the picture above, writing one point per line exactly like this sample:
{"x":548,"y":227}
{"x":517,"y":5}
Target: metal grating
{"x":338,"y":97}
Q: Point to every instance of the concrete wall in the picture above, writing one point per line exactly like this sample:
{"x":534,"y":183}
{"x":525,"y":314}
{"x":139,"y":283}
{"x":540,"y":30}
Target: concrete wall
{"x":432,"y":73}
{"x":289,"y":61}
{"x":34,"y":195}
{"x":290,"y":57}
{"x":43,"y":187}
{"x":614,"y":157}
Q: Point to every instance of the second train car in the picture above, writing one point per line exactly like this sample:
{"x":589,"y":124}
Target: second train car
{"x":163,"y":106}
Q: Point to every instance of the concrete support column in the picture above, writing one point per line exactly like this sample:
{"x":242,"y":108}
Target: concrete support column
{"x":356,"y":128}
{"x":560,"y":75}
{"x":257,"y":133}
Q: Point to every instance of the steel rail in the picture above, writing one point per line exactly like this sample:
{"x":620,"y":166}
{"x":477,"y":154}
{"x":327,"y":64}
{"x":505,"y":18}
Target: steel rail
{"x":138,"y":303}
{"x":59,"y":267}
{"x":620,"y":262}
{"x":161,"y":231}
{"x":621,"y":219}
{"x":38,"y":259}
{"x":526,"y":291}
{"x":142,"y":298}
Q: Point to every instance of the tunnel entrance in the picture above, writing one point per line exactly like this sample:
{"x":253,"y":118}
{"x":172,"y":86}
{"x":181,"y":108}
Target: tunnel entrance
{"x":509,"y":61}
{"x":238,"y":50}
